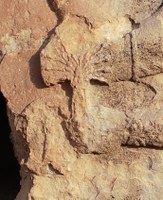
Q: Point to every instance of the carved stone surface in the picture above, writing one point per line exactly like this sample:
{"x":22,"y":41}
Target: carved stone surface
{"x":84,"y":92}
{"x":109,"y":81}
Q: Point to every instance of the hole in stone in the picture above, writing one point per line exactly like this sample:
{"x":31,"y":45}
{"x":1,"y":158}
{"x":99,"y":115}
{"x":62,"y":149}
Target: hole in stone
{"x":98,"y":82}
{"x":9,"y":167}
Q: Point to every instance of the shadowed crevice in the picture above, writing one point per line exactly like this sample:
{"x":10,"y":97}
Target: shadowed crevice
{"x":158,"y":9}
{"x":35,"y":62}
{"x":54,"y":8}
{"x":9,"y":167}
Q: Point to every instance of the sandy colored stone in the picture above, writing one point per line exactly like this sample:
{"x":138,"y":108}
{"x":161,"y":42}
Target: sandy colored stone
{"x":83,"y":81}
{"x":91,"y":57}
{"x":148,"y":47}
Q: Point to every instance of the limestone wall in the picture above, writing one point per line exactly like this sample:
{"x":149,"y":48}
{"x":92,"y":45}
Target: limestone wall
{"x":84,"y":80}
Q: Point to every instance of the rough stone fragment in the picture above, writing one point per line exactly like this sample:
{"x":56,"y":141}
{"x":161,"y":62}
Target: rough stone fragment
{"x":109,"y":10}
{"x":84,"y":91}
{"x":88,"y":59}
{"x":148,"y":47}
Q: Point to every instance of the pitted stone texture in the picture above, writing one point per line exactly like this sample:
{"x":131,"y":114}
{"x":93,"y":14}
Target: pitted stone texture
{"x":110,"y":10}
{"x":95,"y":178}
{"x":148,"y":47}
{"x":80,"y":93}
{"x":104,"y":78}
{"x":86,"y":57}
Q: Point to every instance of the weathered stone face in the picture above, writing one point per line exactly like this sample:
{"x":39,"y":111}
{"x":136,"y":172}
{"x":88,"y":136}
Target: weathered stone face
{"x":109,"y":80}
{"x":93,"y":89}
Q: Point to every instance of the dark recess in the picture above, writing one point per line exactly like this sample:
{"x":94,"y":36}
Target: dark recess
{"x":9,"y":167}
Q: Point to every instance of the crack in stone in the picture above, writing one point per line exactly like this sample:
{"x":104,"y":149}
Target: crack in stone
{"x":86,"y":20}
{"x":2,"y":56}
{"x":135,"y":25}
{"x":96,"y":187}
{"x":134,"y":77}
{"x":56,"y":171}
{"x":54,"y":7}
{"x":158,"y":9}
{"x":44,"y":144}
{"x":132,"y":58}
{"x":150,"y":161}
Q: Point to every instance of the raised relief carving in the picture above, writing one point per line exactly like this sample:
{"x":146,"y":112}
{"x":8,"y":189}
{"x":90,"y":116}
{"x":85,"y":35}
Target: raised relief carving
{"x":114,"y":88}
